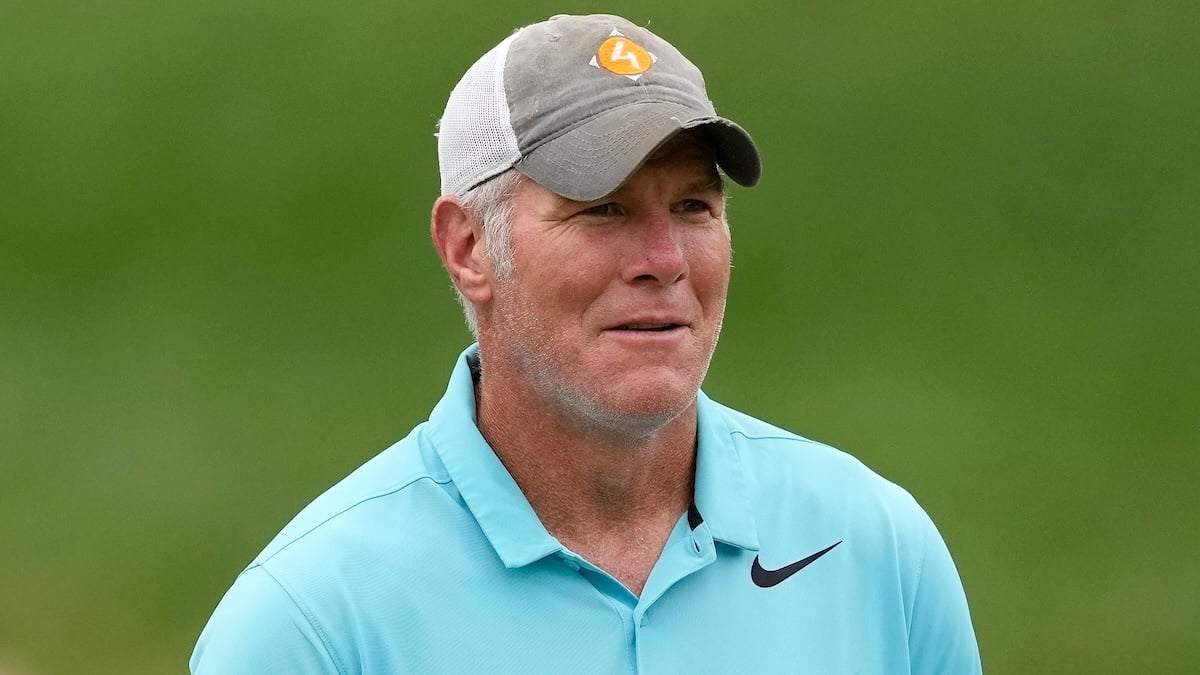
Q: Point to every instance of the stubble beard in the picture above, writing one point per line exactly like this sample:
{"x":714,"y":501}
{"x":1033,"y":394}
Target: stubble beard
{"x":539,"y":361}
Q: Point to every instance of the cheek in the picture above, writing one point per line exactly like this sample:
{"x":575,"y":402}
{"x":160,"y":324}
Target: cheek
{"x":557,"y":282}
{"x":575,"y":260}
{"x":711,"y":267}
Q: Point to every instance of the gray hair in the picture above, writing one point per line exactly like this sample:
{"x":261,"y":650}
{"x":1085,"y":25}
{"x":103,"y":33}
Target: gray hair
{"x":491,"y":204}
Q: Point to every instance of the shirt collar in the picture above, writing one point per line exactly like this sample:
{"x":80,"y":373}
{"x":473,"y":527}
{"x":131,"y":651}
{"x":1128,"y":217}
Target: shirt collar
{"x":503,"y":513}
{"x":722,"y":491}
{"x":722,"y":495}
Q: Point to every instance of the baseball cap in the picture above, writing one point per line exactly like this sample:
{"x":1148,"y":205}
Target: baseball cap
{"x":577,"y":103}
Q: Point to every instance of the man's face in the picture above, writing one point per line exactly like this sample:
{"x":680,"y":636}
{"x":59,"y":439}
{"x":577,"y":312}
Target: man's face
{"x":612,"y":312}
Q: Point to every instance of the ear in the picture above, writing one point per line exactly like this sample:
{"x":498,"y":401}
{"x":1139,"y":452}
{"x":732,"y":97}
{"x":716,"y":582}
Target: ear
{"x":458,"y":239}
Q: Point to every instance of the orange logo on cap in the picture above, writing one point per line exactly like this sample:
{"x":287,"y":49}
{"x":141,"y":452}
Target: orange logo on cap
{"x":618,"y":54}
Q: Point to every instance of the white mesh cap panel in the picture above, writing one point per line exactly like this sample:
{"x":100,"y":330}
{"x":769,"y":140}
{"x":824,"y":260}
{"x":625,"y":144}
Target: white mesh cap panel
{"x":475,"y":136}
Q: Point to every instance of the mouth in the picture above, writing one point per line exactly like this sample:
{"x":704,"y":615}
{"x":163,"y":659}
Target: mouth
{"x":648,"y":327}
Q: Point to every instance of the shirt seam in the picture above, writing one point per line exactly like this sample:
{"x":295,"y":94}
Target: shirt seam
{"x":772,"y":437}
{"x":917,"y":583}
{"x":312,"y":622}
{"x":355,"y":505}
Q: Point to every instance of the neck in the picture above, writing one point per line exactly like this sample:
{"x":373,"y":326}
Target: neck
{"x":590,"y":487}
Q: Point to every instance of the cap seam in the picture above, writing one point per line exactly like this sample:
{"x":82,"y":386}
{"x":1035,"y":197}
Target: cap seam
{"x":582,"y":121}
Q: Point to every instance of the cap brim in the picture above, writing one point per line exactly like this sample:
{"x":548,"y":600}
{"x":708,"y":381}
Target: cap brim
{"x":595,"y":158}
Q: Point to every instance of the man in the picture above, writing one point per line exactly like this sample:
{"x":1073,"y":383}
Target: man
{"x":574,"y":504}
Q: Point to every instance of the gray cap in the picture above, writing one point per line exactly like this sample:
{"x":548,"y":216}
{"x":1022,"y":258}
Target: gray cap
{"x":578,"y":103}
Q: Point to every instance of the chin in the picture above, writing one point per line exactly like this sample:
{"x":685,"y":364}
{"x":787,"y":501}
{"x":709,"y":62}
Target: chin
{"x":612,"y":397}
{"x":628,"y":426}
{"x":635,"y":412}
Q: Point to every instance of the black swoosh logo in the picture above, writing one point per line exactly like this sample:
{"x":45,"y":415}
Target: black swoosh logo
{"x":764,"y":578}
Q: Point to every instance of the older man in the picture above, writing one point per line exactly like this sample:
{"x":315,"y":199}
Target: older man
{"x":574,"y":503}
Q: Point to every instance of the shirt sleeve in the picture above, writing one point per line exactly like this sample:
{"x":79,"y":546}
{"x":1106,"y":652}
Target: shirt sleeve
{"x":941,"y":639}
{"x":258,"y":628}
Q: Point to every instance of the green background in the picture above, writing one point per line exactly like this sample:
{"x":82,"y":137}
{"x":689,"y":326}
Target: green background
{"x":973,"y":262}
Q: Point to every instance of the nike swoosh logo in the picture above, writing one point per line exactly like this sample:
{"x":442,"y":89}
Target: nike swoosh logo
{"x":764,"y":578}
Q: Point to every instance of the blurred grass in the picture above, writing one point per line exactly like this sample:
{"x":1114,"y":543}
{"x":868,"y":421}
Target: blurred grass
{"x":973,"y":262}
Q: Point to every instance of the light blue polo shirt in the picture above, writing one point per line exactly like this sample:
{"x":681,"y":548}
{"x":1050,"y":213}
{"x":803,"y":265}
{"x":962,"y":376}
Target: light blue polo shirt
{"x":428,"y":559}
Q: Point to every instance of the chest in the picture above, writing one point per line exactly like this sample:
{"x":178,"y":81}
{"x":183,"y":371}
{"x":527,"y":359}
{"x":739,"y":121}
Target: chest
{"x":699,"y":612}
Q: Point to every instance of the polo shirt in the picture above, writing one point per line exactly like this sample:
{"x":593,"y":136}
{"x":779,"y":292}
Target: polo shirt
{"x":428,"y":559}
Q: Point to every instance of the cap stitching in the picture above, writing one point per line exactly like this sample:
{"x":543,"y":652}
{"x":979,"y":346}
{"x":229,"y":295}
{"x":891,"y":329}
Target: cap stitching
{"x":581,"y":121}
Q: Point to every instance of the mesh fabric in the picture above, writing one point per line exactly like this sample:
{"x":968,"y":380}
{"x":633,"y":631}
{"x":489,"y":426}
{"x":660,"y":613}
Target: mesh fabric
{"x":475,"y":136}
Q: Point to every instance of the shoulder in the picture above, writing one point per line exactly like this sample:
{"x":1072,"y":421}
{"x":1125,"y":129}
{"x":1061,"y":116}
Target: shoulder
{"x":781,"y":462}
{"x":332,"y":577}
{"x":259,"y":628}
{"x":807,"y":491}
{"x":390,"y":491}
{"x":804,"y":490}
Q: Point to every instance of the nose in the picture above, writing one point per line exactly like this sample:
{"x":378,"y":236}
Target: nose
{"x":657,"y":255}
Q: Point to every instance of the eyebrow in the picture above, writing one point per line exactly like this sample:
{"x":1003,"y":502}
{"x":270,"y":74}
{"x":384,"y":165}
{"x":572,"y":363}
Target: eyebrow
{"x":706,"y":185}
{"x":715,"y":183}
